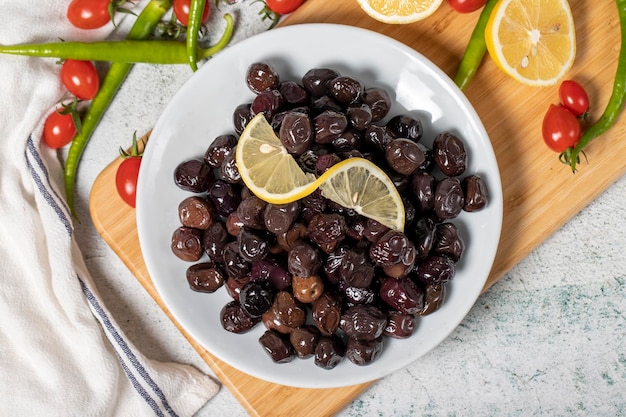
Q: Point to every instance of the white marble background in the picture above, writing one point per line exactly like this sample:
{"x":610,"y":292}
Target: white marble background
{"x":546,"y":340}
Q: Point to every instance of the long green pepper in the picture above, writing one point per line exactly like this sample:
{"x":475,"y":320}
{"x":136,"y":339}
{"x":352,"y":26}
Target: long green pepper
{"x":126,"y":51}
{"x":196,"y":8}
{"x":476,"y":48}
{"x":616,"y":102}
{"x":143,"y":27}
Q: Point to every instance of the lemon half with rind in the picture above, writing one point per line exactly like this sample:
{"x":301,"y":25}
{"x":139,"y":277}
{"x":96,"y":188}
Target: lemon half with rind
{"x":399,"y":11}
{"x":533,"y":41}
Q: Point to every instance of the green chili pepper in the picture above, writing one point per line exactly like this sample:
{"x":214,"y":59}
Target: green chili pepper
{"x":141,"y":29}
{"x":476,"y":48}
{"x":196,"y":8}
{"x":125,"y":51}
{"x":616,"y":102}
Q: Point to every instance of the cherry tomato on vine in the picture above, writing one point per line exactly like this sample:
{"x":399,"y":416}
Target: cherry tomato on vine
{"x":574,"y":97}
{"x":282,"y":7}
{"x":560,"y":129}
{"x":127,"y":174}
{"x":126,"y":179}
{"x":181,"y":10}
{"x":89,"y":14}
{"x":80,"y":78}
{"x":58,"y":130}
{"x":466,"y":6}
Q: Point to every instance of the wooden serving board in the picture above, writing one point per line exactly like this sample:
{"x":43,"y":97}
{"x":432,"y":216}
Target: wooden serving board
{"x":540,"y":194}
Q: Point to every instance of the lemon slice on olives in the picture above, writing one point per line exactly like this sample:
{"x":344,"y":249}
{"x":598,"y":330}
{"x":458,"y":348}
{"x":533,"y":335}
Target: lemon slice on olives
{"x":359,"y":184}
{"x":273,"y":175}
{"x":266,"y":167}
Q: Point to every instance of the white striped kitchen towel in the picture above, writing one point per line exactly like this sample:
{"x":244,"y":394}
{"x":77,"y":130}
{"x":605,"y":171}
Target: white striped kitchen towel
{"x":61,"y":351}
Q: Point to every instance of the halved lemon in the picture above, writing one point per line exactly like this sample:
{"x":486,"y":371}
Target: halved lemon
{"x":399,"y":11}
{"x":533,"y":41}
{"x":273,"y":175}
{"x":359,"y":184}
{"x":267,"y":168}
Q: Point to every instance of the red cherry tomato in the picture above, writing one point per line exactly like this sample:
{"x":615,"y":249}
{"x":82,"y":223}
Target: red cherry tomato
{"x":58,"y":130}
{"x":282,"y":7}
{"x":560,"y":129}
{"x":80,"y":78}
{"x":466,"y":6}
{"x":181,"y":10}
{"x":126,"y":179}
{"x":88,"y":14}
{"x":574,"y":97}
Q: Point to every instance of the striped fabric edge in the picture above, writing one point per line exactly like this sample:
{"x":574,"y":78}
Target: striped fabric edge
{"x":132,"y":366}
{"x":39,"y":173}
{"x":135,"y":371}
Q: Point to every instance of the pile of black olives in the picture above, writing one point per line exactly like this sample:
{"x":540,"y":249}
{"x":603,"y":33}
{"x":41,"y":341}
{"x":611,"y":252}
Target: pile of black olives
{"x":325,"y":282}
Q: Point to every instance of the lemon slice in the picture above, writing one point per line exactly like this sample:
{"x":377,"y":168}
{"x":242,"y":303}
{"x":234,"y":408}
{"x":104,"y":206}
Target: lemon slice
{"x":266,"y":167}
{"x":359,"y":184}
{"x":273,"y":175}
{"x":399,"y":11}
{"x":532,"y":41}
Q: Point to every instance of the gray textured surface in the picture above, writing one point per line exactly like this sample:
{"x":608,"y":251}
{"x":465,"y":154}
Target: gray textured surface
{"x":548,"y":339}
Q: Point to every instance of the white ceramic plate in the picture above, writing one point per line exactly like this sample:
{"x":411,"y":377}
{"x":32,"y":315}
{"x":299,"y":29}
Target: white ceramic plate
{"x":203,"y":109}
